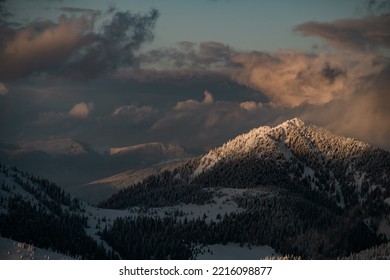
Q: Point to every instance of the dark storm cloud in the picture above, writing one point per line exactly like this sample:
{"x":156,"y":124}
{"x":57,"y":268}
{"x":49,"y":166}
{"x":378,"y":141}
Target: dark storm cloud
{"x":115,"y":46}
{"x":366,"y":34}
{"x":72,"y":48}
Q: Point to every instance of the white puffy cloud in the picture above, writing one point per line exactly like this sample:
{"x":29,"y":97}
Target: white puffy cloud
{"x":81,"y":110}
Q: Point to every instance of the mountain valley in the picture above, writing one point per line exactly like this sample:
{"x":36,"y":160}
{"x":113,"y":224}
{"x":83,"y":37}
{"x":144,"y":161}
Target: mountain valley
{"x":292,"y":190}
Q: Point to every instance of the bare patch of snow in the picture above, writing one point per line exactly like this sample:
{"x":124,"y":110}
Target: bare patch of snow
{"x":233,"y":251}
{"x":359,"y":178}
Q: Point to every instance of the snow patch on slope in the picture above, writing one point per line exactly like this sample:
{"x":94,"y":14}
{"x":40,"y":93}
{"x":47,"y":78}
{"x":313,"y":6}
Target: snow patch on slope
{"x":233,"y":251}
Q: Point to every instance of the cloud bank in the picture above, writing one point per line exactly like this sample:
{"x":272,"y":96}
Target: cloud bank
{"x":72,"y":47}
{"x":143,"y":96}
{"x":294,"y":78}
{"x":368,"y":34}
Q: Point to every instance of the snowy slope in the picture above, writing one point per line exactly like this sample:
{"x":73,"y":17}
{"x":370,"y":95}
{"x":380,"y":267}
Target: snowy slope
{"x":101,"y":189}
{"x":149,"y":148}
{"x":50,"y":200}
{"x":15,"y":183}
{"x":133,"y":176}
{"x":232,"y":251}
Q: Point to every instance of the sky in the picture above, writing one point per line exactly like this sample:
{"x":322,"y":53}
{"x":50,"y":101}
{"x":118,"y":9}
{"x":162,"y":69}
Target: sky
{"x":194,"y":73}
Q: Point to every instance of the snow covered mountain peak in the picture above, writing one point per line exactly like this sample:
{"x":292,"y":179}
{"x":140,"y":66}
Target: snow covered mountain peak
{"x":293,"y":123}
{"x":259,"y":140}
{"x":282,"y":143}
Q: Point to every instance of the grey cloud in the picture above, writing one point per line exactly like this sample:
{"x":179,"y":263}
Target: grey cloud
{"x":126,"y":32}
{"x":366,"y":34}
{"x":79,"y":10}
{"x":115,"y":45}
{"x":4,"y":13}
{"x":375,"y":6}
{"x":207,"y":55}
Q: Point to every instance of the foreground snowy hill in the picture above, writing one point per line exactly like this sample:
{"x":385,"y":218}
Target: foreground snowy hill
{"x":38,"y":220}
{"x":37,"y":212}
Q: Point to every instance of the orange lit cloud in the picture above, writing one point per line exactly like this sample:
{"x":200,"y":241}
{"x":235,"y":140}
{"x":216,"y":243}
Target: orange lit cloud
{"x":81,"y":110}
{"x":293,"y":78}
{"x":31,"y":50}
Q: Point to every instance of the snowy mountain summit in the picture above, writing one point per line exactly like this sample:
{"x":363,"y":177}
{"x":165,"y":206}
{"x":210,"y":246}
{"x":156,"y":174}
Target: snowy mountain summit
{"x":282,"y":142}
{"x":293,"y":153}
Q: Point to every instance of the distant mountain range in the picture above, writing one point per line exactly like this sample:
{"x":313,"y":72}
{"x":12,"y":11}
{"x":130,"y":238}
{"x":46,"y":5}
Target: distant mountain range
{"x":297,"y":189}
{"x":71,"y":163}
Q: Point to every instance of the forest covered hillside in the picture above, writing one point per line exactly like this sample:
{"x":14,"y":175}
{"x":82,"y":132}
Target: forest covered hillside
{"x":305,"y":191}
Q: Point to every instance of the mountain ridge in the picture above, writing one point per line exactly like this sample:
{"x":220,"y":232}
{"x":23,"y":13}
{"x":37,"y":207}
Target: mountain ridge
{"x":72,"y":163}
{"x":278,"y":138}
{"x":333,"y":170}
